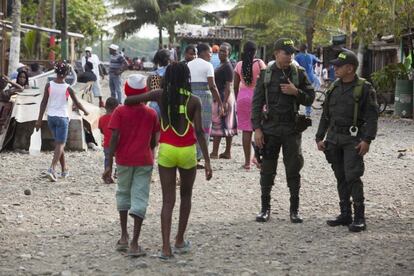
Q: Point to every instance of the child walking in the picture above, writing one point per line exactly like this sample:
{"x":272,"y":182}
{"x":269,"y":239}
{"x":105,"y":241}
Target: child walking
{"x":55,"y":98}
{"x":103,"y":125}
{"x":181,"y":128}
{"x":133,"y":137}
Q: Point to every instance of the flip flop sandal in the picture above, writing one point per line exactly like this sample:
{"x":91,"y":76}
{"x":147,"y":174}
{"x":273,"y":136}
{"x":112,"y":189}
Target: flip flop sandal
{"x":182,"y":250}
{"x":139,"y":253}
{"x":256,"y":163}
{"x":163,"y":257}
{"x":224,"y":156}
{"x":246,"y":167}
{"x":121,"y":246}
{"x":214,"y":156}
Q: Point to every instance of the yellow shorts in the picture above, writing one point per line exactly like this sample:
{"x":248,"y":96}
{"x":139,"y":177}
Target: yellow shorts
{"x":181,"y":157}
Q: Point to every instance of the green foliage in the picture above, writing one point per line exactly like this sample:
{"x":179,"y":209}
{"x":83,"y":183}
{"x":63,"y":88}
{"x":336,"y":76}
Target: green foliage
{"x":28,"y":44}
{"x":320,"y":19}
{"x":180,"y":15}
{"x":84,"y":16}
{"x":384,"y":79}
{"x":162,"y":13}
{"x":276,"y":18}
{"x":29,"y":11}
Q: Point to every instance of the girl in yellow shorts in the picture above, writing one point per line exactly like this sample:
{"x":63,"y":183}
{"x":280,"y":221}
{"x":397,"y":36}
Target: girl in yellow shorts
{"x":181,"y":128}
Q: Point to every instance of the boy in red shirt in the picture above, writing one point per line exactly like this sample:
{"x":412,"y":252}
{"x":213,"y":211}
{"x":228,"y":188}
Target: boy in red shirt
{"x":103,"y":125}
{"x":133,"y":137}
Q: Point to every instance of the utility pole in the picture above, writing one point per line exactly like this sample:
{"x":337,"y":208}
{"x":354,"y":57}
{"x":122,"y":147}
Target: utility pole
{"x":52,"y":40}
{"x":64,"y":31}
{"x":101,"y":47}
{"x":3,"y":14}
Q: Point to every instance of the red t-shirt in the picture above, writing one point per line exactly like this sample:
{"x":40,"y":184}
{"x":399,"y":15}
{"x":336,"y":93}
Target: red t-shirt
{"x":136,"y":125}
{"x":103,"y":125}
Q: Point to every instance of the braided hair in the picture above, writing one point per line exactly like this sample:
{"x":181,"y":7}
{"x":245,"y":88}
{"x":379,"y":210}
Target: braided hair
{"x":61,"y":68}
{"x":249,"y":51}
{"x":177,"y":76}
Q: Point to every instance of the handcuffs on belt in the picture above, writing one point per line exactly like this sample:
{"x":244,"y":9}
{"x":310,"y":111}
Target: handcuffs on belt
{"x":353,"y":130}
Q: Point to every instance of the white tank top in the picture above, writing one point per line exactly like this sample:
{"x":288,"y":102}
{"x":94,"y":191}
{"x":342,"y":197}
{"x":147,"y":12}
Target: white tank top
{"x":57,"y":104}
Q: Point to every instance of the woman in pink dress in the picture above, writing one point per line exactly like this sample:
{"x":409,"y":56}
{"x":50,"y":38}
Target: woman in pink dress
{"x":247,"y":72}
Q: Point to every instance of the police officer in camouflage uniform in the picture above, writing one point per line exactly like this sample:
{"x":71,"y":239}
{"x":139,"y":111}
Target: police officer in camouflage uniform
{"x":274,"y":123}
{"x":349,"y":120}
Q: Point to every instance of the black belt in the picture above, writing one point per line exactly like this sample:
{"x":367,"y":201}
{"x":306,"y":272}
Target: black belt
{"x":341,"y":129}
{"x":282,"y":118}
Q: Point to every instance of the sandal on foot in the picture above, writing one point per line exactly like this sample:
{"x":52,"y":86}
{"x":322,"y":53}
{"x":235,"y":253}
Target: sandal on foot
{"x":121,"y":246}
{"x":184,"y":249}
{"x":246,"y":167}
{"x":163,"y":257}
{"x":213,"y":156}
{"x":224,"y":156}
{"x":139,"y":253}
{"x":256,"y":163}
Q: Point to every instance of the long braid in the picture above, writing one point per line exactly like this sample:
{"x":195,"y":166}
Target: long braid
{"x":249,"y":51}
{"x":177,"y":76}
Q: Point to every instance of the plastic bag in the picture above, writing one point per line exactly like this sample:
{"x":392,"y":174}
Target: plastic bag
{"x":35,"y":142}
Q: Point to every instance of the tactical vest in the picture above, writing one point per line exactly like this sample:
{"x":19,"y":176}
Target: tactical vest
{"x":268,"y":79}
{"x":357,"y":95}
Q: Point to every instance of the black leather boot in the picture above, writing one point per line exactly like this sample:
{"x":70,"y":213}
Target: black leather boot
{"x":345,"y":218}
{"x":264,"y":214}
{"x":358,"y":224}
{"x":294,"y":210}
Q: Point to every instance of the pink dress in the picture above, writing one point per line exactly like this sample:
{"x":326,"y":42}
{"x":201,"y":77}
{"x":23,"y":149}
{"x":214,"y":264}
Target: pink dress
{"x":245,"y":95}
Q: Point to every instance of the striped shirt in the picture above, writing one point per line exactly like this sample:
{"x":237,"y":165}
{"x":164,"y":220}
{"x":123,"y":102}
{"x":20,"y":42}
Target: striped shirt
{"x":116,"y":64}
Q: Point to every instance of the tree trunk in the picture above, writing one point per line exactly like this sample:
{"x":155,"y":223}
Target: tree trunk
{"x":39,"y":22}
{"x":14,"y":56}
{"x":349,"y":35}
{"x":361,"y":50}
{"x":309,"y":37}
{"x":310,"y":23}
{"x":159,"y":37}
{"x":171,"y":35}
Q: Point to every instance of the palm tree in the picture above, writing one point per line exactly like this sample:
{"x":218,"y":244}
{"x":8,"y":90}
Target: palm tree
{"x":14,"y":56}
{"x":259,"y":13}
{"x":162,"y":13}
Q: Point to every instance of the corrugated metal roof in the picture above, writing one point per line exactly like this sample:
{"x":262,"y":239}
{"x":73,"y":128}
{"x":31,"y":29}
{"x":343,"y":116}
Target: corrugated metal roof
{"x":216,"y":32}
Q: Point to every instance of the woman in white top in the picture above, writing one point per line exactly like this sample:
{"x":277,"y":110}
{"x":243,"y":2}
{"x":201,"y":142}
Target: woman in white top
{"x":204,"y":86}
{"x":55,"y":98}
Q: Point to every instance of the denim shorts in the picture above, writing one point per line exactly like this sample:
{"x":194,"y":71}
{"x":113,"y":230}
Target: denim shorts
{"x":59,"y":127}
{"x":132,"y":192}
{"x":106,"y":156}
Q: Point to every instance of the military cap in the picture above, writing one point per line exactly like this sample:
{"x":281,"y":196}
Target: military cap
{"x":345,"y":57}
{"x":285,"y":44}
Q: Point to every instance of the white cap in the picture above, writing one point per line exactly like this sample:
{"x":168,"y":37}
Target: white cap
{"x":114,"y":47}
{"x":88,"y":49}
{"x":20,"y":65}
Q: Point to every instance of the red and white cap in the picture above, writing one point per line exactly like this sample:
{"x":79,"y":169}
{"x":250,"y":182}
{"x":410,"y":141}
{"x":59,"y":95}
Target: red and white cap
{"x":135,"y":84}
